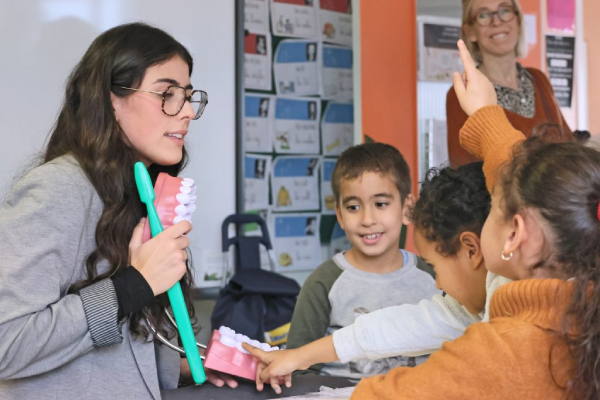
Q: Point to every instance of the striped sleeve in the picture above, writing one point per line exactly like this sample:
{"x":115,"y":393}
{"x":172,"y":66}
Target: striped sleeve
{"x":101,"y":310}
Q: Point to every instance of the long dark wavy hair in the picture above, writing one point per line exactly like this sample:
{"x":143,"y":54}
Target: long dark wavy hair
{"x":87,"y":129}
{"x":561,"y":182}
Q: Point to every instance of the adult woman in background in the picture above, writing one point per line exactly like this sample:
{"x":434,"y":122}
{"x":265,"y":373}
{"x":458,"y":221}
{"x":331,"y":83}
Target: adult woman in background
{"x":494,"y":32}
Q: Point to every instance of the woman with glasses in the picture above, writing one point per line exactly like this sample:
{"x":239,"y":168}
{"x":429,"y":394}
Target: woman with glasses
{"x":76,"y":282}
{"x":494,"y":32}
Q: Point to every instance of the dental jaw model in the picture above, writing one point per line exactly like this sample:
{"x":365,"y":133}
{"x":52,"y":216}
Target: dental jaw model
{"x":226,"y":354}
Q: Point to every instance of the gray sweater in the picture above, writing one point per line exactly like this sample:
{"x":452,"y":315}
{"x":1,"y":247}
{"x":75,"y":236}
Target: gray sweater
{"x":336,"y":293}
{"x":55,"y":345}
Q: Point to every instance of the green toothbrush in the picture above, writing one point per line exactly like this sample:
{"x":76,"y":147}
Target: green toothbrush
{"x":146,"y":190}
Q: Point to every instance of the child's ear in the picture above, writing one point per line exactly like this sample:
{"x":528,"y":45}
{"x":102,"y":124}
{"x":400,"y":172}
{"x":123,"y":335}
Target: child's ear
{"x":338,"y":214}
{"x":516,"y":235}
{"x":471,"y":244}
{"x":409,"y":203}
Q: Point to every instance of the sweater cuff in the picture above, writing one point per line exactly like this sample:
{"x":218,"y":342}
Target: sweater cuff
{"x":101,"y":308}
{"x":133,"y":291}
{"x":346,"y":346}
{"x":486,"y":130}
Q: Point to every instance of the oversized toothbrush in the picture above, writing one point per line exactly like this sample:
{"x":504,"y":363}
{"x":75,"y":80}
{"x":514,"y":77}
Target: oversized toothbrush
{"x":146,"y":191}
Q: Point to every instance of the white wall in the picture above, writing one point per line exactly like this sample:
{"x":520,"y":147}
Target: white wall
{"x":42,"y":40}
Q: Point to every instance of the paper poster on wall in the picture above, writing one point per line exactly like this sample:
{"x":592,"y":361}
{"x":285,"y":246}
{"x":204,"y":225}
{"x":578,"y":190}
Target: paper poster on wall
{"x":560,"y":54}
{"x":561,"y":15}
{"x":296,"y":68}
{"x":327,"y":197}
{"x":335,"y":21}
{"x":256,"y":181}
{"x":296,"y":126}
{"x":339,"y":241}
{"x":295,"y":183}
{"x":336,"y":73}
{"x":337,"y":128}
{"x":295,"y":18}
{"x":256,"y":15}
{"x":297,"y":242}
{"x":438,"y":55}
{"x":531,"y":28}
{"x":258,"y":123}
{"x":257,"y":61}
{"x":438,"y":143}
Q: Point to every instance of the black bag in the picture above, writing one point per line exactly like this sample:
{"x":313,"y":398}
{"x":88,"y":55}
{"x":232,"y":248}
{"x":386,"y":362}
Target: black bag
{"x":254,"y":302}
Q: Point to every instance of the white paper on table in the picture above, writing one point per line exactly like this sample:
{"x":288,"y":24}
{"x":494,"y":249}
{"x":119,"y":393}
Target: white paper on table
{"x":335,"y":21}
{"x":259,"y":111}
{"x":438,"y":143}
{"x":296,"y":125}
{"x":339,"y":241}
{"x":257,"y":61}
{"x":336,"y":73}
{"x":530,"y":28}
{"x":297,"y":242}
{"x":256,"y":181}
{"x":295,"y":18}
{"x":327,"y":197}
{"x":295,"y":183}
{"x":296,"y":67}
{"x":337,"y":128}
{"x":256,"y":15}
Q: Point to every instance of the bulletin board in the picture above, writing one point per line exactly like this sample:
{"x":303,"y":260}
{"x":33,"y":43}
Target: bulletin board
{"x":296,"y":118}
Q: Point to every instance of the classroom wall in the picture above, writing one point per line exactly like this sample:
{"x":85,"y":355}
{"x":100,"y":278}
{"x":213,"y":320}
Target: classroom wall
{"x":534,"y":56}
{"x":42,"y":40}
{"x":389,"y":78}
{"x":592,"y":37}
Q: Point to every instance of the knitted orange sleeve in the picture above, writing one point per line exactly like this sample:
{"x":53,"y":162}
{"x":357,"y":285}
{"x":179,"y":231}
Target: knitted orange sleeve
{"x":489,"y":136}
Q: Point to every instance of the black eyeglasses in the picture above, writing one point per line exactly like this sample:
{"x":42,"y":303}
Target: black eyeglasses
{"x":504,"y":13}
{"x":174,"y":97}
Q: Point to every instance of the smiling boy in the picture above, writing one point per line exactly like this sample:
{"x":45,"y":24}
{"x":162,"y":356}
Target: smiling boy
{"x":371,"y":183}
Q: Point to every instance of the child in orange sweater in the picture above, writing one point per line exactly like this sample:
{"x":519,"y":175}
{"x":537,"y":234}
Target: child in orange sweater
{"x":543,"y":340}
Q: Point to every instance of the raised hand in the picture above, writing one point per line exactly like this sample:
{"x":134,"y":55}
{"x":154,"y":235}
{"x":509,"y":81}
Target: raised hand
{"x":161,"y":260}
{"x":473,"y":89}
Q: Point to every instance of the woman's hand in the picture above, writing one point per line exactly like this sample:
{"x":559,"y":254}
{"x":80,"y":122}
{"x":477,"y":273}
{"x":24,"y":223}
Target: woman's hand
{"x":215,"y":377}
{"x":161,"y":260}
{"x":275,"y":367}
{"x":473,"y":89}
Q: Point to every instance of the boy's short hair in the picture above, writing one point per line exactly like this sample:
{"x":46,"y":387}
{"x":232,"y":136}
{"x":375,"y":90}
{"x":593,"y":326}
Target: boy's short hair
{"x":372,"y":157}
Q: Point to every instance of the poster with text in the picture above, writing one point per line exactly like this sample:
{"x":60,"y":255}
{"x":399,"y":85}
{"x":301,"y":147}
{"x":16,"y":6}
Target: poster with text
{"x":336,"y":73}
{"x":295,"y":183}
{"x":339,"y":241}
{"x":335,"y":21}
{"x":295,"y":18}
{"x":296,"y":68}
{"x":337,"y":128}
{"x":257,"y":61}
{"x":560,"y":56}
{"x":327,"y":197}
{"x":438,"y":55}
{"x":296,"y":126}
{"x":256,"y":181}
{"x":258,"y":123}
{"x":438,"y":143}
{"x":256,"y":15}
{"x":297,"y":242}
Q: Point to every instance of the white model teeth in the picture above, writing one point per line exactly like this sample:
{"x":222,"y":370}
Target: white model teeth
{"x":231,"y":339}
{"x":186,"y":199}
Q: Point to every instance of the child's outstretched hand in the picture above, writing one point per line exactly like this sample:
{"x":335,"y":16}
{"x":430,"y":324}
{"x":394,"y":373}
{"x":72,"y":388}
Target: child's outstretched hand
{"x":275,"y":367}
{"x":473,"y":89}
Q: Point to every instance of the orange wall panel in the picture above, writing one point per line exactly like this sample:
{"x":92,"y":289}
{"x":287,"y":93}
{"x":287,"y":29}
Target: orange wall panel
{"x":389,"y":78}
{"x":534,"y":57}
{"x":591,"y":14}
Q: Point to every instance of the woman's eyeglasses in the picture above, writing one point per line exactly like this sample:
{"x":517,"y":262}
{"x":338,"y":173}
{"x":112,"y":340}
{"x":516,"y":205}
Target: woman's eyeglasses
{"x":504,"y":13}
{"x":174,"y":97}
